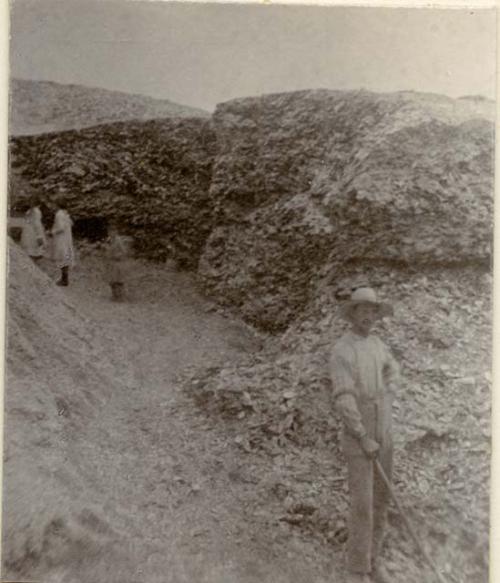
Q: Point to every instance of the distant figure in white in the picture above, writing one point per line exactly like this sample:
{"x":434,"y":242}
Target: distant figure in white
{"x":33,"y":239}
{"x":62,"y":240}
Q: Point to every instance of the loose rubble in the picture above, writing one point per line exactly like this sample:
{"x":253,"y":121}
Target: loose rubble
{"x":317,"y":178}
{"x":150,"y":178}
{"x":283,"y":203}
{"x":277,"y":407}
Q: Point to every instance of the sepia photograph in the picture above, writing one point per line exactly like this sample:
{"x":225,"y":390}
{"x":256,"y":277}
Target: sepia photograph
{"x":249,"y":293}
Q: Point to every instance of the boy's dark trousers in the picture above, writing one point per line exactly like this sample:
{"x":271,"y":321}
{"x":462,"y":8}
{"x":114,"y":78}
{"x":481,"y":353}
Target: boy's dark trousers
{"x":117,"y":291}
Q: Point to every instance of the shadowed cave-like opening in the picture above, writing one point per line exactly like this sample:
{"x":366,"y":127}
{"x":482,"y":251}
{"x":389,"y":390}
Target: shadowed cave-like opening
{"x":92,"y":229}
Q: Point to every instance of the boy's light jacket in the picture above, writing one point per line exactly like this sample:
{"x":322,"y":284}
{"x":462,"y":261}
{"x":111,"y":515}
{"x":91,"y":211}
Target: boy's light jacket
{"x":364,"y":375}
{"x":116,"y":261}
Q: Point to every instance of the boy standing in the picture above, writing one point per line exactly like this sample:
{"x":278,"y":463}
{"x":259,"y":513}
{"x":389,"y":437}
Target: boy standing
{"x":116,"y":268}
{"x":364,"y":375}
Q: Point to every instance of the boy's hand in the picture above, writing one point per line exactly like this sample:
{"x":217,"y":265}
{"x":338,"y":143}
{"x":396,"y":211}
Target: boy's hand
{"x":369,"y":446}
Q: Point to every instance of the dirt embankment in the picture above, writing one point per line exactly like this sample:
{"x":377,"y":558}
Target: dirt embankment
{"x":272,"y":189}
{"x":111,"y":473}
{"x":58,"y":378}
{"x":317,"y":192}
{"x":279,"y":407}
{"x":311,"y":180}
{"x":308,"y":194}
{"x":150,"y":178}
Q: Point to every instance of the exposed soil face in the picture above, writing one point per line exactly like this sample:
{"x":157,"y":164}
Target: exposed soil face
{"x":160,"y":439}
{"x":309,"y":180}
{"x":113,"y":471}
{"x":163,"y":439}
{"x":440,"y":334}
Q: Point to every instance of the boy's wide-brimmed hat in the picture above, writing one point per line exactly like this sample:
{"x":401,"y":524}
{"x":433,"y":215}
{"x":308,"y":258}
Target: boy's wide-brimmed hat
{"x":365,"y":295}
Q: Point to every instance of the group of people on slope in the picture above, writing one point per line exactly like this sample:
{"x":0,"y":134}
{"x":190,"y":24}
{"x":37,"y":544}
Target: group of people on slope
{"x":60,"y":248}
{"x":58,"y":245}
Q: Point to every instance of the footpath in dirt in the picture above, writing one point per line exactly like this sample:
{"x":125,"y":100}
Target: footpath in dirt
{"x":176,"y":493}
{"x":159,"y":440}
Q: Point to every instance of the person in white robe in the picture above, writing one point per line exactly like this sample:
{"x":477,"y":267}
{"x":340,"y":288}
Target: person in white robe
{"x":33,"y":239}
{"x":63,"y":252}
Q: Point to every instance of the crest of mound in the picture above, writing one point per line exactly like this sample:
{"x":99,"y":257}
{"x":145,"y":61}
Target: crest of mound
{"x":314,"y":179}
{"x":44,"y":106}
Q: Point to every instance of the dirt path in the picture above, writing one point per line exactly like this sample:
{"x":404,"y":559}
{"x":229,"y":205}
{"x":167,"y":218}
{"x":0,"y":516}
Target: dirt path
{"x":176,"y":492}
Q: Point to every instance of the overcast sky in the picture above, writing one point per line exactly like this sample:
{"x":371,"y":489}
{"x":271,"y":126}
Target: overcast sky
{"x":199,"y":54}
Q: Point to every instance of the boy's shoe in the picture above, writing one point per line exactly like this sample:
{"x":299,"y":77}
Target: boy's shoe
{"x":62,"y":282}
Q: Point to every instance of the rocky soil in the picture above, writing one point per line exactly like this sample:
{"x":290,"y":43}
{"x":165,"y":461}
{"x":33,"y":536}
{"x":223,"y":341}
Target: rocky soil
{"x":150,"y":178}
{"x":215,"y":440}
{"x":273,"y":189}
{"x":277,"y":406}
{"x":164,"y":436}
{"x":308,"y":180}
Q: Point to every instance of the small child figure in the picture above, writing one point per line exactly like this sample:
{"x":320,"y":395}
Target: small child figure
{"x":116,"y":255}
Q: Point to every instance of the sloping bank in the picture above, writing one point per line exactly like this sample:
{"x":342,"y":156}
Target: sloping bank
{"x":58,"y":380}
{"x":300,"y":195}
{"x":316,"y":192}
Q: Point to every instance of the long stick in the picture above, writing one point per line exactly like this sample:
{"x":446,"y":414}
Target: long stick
{"x":407,"y":522}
